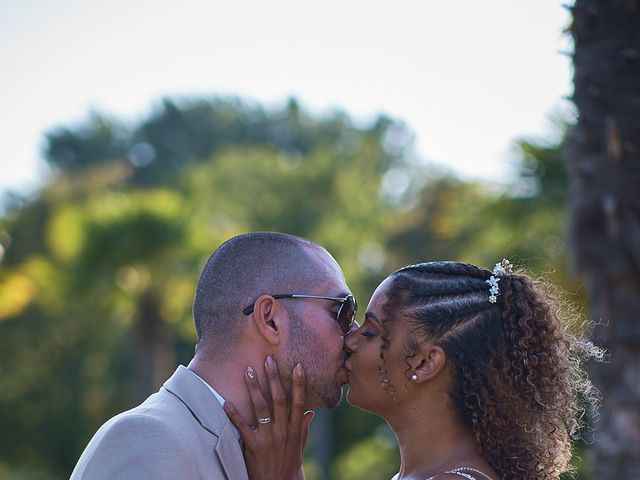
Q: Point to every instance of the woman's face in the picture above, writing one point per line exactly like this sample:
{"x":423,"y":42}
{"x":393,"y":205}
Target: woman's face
{"x":366,"y":387}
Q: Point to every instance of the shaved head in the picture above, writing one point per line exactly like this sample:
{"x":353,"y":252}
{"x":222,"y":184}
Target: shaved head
{"x":242,"y":269}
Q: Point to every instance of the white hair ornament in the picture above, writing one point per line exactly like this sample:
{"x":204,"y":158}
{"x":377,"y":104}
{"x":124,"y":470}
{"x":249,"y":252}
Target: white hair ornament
{"x":503,"y":268}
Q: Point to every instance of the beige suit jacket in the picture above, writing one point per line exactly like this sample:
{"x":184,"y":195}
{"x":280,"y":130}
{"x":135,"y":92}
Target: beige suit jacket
{"x":180,"y":432}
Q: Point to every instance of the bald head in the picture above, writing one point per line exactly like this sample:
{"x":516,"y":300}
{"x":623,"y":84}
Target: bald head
{"x":242,"y":269}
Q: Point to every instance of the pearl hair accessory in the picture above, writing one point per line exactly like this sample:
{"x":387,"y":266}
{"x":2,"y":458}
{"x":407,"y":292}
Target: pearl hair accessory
{"x":503,"y":268}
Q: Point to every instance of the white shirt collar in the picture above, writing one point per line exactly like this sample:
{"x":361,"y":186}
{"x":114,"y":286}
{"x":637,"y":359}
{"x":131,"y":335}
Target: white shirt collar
{"x":219,"y":398}
{"x":213,"y":390}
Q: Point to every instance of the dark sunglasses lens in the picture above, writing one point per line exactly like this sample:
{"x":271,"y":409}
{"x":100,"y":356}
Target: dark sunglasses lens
{"x":347,"y":314}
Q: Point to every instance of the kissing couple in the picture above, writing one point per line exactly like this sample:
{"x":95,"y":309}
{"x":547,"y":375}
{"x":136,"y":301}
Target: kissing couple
{"x":474,"y":370}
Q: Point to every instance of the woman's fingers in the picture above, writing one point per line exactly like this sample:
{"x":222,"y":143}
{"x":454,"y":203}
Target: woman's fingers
{"x":297,"y":396}
{"x":260,"y":407}
{"x":278,"y":397}
{"x":275,"y":449}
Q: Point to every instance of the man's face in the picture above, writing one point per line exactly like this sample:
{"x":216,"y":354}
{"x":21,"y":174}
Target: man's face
{"x":316,"y":340}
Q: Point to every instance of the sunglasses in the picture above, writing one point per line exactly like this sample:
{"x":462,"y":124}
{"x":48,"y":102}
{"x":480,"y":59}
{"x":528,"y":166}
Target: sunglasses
{"x":346,"y":313}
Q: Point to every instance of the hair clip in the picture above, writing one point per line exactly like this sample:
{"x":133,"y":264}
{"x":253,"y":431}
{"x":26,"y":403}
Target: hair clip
{"x":502,"y":268}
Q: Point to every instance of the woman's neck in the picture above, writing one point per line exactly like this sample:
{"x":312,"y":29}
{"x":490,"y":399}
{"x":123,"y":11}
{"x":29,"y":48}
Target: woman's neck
{"x":432,"y":444}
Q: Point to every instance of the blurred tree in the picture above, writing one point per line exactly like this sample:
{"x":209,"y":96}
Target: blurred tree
{"x":98,"y":270}
{"x":90,"y":325}
{"x":457,"y":220}
{"x":603,"y":159}
{"x":183,"y":132}
{"x":131,"y":241}
{"x":99,"y":140}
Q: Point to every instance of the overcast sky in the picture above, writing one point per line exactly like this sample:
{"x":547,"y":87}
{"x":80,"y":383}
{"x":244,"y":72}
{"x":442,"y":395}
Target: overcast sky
{"x":467,"y":77}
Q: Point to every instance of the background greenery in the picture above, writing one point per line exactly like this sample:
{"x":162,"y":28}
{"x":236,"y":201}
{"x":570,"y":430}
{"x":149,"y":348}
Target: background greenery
{"x":97,"y":270}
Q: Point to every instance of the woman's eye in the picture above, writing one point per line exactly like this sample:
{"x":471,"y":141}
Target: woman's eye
{"x":368,"y":334}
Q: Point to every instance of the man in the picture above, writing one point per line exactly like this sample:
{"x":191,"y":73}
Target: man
{"x":259,"y":294}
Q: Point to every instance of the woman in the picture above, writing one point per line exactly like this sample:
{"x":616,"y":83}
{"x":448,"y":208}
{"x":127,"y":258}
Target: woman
{"x":476,"y":372}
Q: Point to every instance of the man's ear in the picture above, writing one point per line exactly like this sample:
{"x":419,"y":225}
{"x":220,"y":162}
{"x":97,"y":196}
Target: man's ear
{"x":266,"y":313}
{"x":427,"y":363}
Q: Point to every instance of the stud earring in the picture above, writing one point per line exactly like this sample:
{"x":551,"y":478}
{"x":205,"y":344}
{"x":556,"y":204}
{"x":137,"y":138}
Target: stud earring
{"x":414,"y":377}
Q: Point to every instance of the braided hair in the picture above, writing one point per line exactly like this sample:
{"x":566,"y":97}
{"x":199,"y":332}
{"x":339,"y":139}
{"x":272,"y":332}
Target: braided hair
{"x":517,"y":376}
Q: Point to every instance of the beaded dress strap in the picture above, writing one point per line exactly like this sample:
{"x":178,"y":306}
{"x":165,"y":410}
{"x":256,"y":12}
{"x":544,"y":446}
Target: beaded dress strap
{"x":456,"y":471}
{"x":462,"y":474}
{"x":461,"y":471}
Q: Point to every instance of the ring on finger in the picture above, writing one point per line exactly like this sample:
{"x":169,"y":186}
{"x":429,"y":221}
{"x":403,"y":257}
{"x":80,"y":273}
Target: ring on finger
{"x":264,"y":420}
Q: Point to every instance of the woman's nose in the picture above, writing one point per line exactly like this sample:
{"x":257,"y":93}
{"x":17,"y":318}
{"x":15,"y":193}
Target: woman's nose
{"x":350,"y":342}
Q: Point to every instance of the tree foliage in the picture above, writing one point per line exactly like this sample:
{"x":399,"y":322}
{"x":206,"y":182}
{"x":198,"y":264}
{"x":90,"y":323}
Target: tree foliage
{"x":98,"y":270}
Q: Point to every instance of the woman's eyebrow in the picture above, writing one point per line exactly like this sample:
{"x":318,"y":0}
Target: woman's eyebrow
{"x":372,"y":316}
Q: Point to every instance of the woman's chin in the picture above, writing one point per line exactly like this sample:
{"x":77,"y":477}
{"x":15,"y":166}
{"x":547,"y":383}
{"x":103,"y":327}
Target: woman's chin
{"x":350,"y":396}
{"x":353,"y":398}
{"x":362,"y":402}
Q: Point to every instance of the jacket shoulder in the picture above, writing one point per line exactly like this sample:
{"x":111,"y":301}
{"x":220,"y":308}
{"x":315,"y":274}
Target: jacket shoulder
{"x":135,"y":445}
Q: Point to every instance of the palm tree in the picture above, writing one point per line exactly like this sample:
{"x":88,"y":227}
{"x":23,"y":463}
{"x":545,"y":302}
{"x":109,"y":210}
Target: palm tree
{"x":603,"y":162}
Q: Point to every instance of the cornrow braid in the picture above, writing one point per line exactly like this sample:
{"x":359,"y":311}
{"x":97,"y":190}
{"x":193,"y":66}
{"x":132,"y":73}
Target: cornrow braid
{"x":517,"y":380}
{"x":447,"y":268}
{"x":446,"y":295}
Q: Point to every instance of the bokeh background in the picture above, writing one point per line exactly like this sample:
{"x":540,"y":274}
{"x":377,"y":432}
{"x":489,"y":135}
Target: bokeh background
{"x":138,"y":136}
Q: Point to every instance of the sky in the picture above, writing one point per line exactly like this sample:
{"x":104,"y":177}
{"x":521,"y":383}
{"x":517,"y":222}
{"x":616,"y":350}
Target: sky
{"x":468,"y":78}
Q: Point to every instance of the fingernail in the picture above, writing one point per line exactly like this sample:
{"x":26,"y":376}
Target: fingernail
{"x":270,"y":363}
{"x":251,"y":373}
{"x":297,"y":371}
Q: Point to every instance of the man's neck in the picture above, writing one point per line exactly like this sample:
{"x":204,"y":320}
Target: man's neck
{"x":228,"y":380}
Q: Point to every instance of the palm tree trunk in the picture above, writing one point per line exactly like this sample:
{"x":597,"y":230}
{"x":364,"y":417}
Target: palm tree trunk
{"x":155,"y":353}
{"x":603,"y":161}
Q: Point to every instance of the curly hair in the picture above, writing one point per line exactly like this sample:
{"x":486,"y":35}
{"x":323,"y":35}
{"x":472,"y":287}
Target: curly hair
{"x":518,"y":380}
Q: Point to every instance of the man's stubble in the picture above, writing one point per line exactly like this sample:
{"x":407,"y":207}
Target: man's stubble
{"x":321,"y":375}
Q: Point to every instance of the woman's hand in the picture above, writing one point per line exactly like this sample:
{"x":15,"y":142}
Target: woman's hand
{"x":273,"y":447}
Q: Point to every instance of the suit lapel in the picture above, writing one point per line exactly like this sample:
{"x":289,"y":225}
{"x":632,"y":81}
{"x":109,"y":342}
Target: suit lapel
{"x":230,"y":454}
{"x":209,"y":413}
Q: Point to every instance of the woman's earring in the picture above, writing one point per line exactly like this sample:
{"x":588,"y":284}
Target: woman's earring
{"x":414,"y":377}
